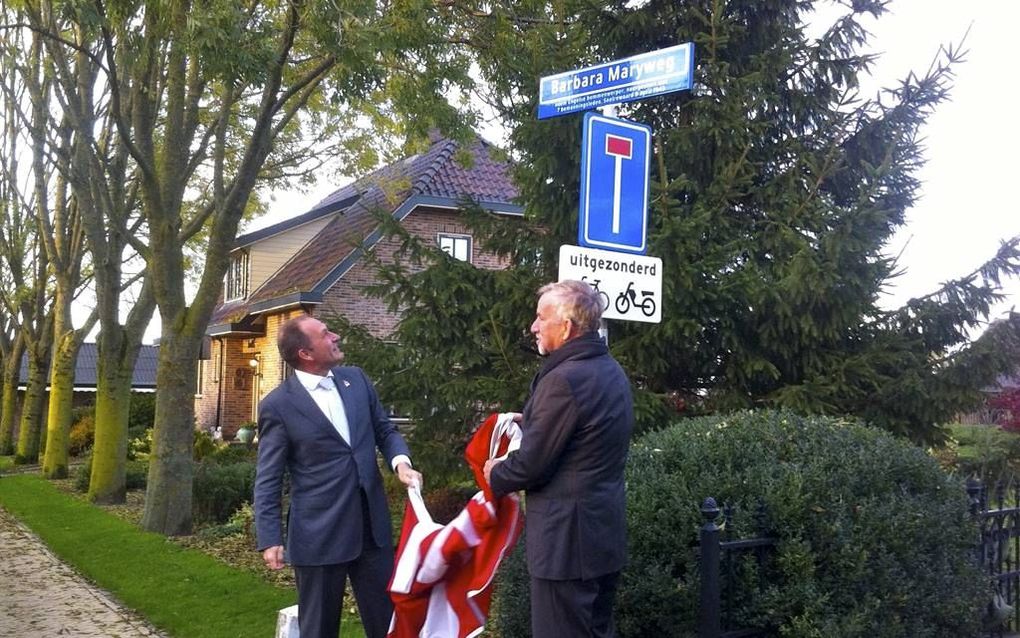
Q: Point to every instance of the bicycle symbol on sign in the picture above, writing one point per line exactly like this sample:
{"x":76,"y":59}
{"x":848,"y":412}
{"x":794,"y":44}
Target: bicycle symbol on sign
{"x":602,"y":295}
{"x":628,"y":298}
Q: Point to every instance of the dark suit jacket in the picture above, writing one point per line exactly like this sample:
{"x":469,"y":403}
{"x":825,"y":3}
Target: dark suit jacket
{"x":576,"y":433}
{"x":324,"y":523}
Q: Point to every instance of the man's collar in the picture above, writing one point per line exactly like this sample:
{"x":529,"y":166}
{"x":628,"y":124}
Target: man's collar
{"x":589,"y":343}
{"x":310,"y":381}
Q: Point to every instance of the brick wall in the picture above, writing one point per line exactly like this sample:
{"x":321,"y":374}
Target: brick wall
{"x":209,"y":385}
{"x":226,"y":397}
{"x":345,"y":297}
{"x":230,"y":382}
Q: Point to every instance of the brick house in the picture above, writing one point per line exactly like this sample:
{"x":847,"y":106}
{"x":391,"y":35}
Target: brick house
{"x":313,"y":264}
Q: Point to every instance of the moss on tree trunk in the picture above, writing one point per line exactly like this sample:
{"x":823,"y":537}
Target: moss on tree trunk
{"x":115,"y":370}
{"x":30,"y":428}
{"x":9,"y":405}
{"x":58,"y":422}
{"x":168,"y":491}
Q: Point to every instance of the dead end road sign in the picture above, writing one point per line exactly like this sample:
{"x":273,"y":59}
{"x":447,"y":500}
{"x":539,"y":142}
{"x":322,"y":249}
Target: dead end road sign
{"x":615,"y":154}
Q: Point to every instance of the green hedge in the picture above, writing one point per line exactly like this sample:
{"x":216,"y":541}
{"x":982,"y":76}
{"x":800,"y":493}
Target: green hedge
{"x":136,"y":473}
{"x":219,"y":490}
{"x":874,"y":539}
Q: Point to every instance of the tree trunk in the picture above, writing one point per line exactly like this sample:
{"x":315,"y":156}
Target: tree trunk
{"x":9,"y":407}
{"x":117,"y":355}
{"x":30,"y":428}
{"x":58,"y":422}
{"x":168,"y":492}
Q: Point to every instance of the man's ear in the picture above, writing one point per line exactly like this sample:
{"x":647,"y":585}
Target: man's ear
{"x":571,"y":331}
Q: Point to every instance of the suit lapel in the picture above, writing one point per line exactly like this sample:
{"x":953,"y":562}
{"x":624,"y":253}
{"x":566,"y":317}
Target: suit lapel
{"x":344,"y":385}
{"x":303,"y":403}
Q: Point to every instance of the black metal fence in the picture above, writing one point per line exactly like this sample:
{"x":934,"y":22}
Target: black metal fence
{"x":997,"y":512}
{"x":998,"y":552}
{"x":720,"y":557}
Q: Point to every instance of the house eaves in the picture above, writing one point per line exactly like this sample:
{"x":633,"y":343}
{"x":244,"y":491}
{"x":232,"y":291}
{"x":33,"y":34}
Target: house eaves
{"x":246,"y":326}
{"x":291,"y":300}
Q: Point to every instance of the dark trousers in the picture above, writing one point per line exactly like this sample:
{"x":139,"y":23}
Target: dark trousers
{"x":573,"y":608}
{"x":321,"y":591}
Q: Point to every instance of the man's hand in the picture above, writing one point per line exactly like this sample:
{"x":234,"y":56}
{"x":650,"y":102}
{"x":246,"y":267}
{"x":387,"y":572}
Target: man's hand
{"x":408,"y":475}
{"x":487,"y":470}
{"x":273,"y":556}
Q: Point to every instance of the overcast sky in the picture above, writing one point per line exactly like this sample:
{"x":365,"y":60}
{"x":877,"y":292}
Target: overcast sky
{"x":966,"y":206}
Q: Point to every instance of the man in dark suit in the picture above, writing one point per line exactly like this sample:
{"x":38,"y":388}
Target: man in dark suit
{"x":576,"y":432}
{"x":323,"y":426}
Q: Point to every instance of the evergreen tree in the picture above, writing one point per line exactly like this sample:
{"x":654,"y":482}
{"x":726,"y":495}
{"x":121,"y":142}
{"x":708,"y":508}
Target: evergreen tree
{"x":776,"y":190}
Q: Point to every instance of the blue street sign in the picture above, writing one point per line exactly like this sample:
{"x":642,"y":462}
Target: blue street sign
{"x":614,"y":184}
{"x":633,"y":78}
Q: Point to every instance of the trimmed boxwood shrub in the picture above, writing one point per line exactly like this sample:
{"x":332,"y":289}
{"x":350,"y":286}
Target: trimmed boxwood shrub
{"x":228,"y":454}
{"x":874,"y":538}
{"x":142,"y":411}
{"x":136,"y":473}
{"x":219,"y":490}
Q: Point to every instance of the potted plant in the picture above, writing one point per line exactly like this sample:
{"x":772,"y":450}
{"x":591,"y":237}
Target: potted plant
{"x":246,"y":433}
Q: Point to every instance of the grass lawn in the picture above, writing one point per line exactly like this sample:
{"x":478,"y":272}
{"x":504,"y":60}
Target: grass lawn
{"x":183,"y":592}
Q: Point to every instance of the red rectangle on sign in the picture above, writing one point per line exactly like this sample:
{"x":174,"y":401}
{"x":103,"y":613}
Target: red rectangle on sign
{"x":618,"y":146}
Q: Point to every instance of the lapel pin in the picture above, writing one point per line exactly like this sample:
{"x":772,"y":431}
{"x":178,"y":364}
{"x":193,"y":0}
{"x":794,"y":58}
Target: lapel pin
{"x":347,"y":383}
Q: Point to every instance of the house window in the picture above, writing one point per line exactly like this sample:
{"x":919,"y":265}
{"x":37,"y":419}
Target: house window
{"x":200,"y":381}
{"x":456,"y":246}
{"x":236,"y":285}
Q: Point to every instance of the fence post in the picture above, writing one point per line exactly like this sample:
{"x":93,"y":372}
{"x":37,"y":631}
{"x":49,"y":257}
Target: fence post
{"x":710,"y":623}
{"x":974,"y":494}
{"x":974,"y":489}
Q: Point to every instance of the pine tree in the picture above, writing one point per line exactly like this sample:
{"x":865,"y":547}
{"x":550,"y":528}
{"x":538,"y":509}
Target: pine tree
{"x":776,"y":190}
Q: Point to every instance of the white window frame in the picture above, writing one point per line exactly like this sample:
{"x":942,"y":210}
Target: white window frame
{"x":240,"y":267}
{"x":453,"y":240}
{"x":200,"y":379}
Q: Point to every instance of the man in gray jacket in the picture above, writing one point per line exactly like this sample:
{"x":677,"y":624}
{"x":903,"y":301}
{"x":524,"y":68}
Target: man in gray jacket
{"x":576,"y":432}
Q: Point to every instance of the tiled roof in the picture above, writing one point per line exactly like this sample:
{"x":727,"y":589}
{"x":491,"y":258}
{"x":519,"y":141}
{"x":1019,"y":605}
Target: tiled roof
{"x":433,"y":174}
{"x":229,"y":312}
{"x":87,"y":364}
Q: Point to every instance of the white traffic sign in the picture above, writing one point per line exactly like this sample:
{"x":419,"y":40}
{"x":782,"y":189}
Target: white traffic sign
{"x":630,"y":285}
{"x":614,"y":184}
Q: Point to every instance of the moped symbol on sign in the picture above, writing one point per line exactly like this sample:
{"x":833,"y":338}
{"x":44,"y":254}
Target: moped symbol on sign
{"x":614,"y":184}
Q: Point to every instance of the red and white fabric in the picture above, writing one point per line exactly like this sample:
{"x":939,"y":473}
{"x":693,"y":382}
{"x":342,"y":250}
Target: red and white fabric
{"x":442,"y":581}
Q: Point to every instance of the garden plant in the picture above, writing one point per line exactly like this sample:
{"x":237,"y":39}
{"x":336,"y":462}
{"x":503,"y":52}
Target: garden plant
{"x":874,"y":538}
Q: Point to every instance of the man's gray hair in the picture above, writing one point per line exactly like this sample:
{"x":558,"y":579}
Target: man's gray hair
{"x":577,"y":302}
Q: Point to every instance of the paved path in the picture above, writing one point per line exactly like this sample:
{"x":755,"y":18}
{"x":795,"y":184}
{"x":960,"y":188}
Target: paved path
{"x":44,"y":597}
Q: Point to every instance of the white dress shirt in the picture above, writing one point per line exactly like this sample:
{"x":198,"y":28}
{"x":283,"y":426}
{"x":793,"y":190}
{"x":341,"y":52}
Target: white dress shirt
{"x":324,"y":392}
